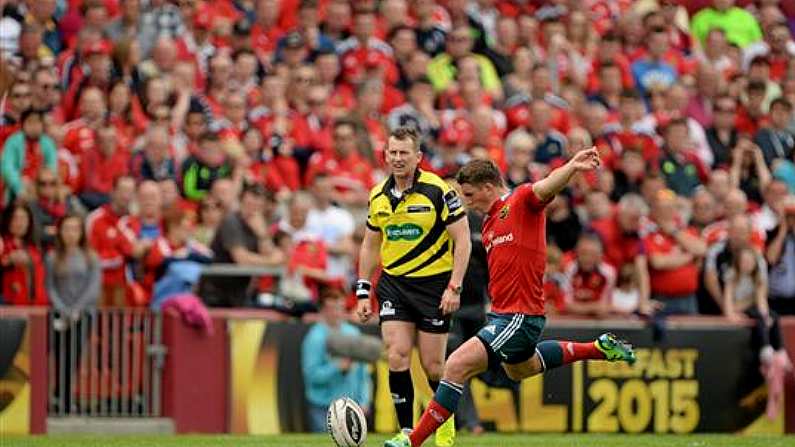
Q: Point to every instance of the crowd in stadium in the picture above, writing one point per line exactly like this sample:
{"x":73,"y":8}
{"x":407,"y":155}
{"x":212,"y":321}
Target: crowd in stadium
{"x":138,"y":133}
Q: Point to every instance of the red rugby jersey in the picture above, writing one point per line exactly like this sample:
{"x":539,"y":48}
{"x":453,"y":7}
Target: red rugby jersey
{"x":514,"y":234}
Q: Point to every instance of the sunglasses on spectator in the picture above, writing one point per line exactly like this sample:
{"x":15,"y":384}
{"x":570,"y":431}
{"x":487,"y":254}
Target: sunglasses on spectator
{"x":46,"y":183}
{"x":211,"y":206}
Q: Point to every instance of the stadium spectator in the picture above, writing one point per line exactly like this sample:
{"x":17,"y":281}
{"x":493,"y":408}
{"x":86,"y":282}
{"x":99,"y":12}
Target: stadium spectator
{"x":703,"y":209}
{"x":673,"y":250}
{"x":740,"y":26}
{"x":551,"y":143}
{"x":459,"y":44}
{"x":563,"y":224}
{"x":418,"y":111}
{"x":780,"y":255}
{"x":682,"y":169}
{"x":21,"y":261}
{"x":20,"y":99}
{"x":49,"y":205}
{"x":202,"y":169}
{"x":654,"y":71}
{"x":776,"y":141}
{"x":24,"y":153}
{"x":175,"y":244}
{"x":74,"y":275}
{"x":305,"y":250}
{"x":723,"y":136}
{"x":113,"y":243}
{"x":242,"y":238}
{"x":748,"y":171}
{"x":327,"y":376}
{"x":106,"y":161}
{"x":350,"y":175}
{"x":719,"y":259}
{"x":777,"y":46}
{"x":335,"y":225}
{"x":591,"y":280}
{"x":154,"y":160}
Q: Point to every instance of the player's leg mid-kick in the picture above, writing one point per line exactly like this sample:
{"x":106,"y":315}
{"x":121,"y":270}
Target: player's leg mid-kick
{"x":506,"y":339}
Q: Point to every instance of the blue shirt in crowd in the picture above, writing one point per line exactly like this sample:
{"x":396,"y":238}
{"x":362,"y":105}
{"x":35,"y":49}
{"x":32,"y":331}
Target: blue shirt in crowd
{"x":324,"y":381}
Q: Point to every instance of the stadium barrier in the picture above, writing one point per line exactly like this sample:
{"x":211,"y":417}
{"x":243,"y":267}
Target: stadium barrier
{"x":105,"y":363}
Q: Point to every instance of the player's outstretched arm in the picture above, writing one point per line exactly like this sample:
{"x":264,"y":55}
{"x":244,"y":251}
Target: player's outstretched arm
{"x":554,"y":183}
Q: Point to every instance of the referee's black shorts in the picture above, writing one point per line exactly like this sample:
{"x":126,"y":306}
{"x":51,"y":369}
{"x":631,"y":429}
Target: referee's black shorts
{"x":415,"y":300}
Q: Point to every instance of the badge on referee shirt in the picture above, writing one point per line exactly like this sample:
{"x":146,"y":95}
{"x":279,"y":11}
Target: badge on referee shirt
{"x":453,"y":201}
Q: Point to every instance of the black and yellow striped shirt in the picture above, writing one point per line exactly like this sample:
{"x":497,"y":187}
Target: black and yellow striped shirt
{"x":414,"y":241}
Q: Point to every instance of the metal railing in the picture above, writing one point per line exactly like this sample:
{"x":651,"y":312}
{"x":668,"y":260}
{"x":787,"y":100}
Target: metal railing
{"x":105,"y":363}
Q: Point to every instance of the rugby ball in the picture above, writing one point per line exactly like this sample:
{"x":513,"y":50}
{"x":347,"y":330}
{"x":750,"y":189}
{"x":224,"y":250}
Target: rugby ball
{"x":346,"y":423}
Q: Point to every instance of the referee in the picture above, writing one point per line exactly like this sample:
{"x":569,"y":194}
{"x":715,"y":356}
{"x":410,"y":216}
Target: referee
{"x":417,"y":224}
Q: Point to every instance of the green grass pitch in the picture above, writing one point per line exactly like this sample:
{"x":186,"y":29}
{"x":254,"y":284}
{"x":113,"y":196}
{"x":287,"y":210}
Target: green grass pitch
{"x":579,"y":440}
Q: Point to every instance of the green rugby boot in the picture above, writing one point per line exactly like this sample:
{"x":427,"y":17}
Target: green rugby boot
{"x":615,"y":349}
{"x":400,"y":440}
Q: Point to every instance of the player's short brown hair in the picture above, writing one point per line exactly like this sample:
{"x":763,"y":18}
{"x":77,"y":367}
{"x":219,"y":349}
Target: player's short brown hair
{"x":480,"y":172}
{"x":407,"y":133}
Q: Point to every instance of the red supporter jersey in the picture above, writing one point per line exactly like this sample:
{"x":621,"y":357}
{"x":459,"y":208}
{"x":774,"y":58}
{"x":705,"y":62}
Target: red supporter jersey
{"x":590,"y":286}
{"x":675,"y":282}
{"x":112,"y":243}
{"x":514,"y":234}
{"x":619,"y":248}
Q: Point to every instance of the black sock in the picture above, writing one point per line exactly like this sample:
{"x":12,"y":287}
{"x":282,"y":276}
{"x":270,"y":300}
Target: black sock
{"x":433,"y":384}
{"x":402,"y":390}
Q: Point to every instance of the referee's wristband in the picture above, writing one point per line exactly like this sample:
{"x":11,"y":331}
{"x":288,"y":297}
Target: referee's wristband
{"x":363,"y":287}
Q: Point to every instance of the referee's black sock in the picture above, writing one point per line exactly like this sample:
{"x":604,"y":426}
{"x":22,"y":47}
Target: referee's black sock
{"x":402,"y":390}
{"x":433,"y":384}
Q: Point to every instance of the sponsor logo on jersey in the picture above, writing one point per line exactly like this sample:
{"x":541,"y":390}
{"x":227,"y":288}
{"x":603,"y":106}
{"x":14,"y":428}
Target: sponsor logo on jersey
{"x":499,"y":240}
{"x":407,"y":231}
{"x":491,"y":329}
{"x":387,"y":309}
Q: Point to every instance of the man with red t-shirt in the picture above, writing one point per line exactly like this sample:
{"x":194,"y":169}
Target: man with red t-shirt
{"x":515,"y":242}
{"x":114,"y":244}
{"x":349,"y":172}
{"x":674,"y":252}
{"x":591,"y":279}
{"x":622,"y":239}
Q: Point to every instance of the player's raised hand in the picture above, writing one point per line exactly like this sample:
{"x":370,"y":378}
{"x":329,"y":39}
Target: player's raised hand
{"x":586,"y":160}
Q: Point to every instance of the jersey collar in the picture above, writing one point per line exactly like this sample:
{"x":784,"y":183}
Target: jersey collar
{"x":497,"y":205}
{"x":390,"y":184}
